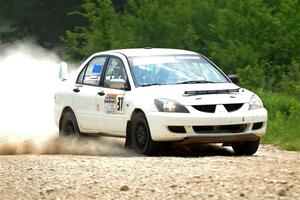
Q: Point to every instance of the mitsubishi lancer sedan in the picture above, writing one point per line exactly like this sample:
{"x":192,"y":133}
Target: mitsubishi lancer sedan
{"x":152,"y":96}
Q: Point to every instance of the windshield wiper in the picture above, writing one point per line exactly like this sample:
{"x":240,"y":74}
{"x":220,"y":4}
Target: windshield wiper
{"x":195,"y":82}
{"x":150,"y":84}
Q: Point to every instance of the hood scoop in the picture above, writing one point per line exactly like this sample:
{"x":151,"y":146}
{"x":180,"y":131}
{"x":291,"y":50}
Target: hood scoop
{"x":203,"y":92}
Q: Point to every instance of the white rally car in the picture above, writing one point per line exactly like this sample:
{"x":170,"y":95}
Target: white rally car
{"x":151,"y":96}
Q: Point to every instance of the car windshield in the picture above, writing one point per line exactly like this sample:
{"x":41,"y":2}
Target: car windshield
{"x":174,"y":69}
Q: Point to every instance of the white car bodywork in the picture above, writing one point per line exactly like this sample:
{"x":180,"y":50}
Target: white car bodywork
{"x":111,"y":112}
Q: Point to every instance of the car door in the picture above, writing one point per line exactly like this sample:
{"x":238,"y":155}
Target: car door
{"x":112,"y":114}
{"x":85,"y":94}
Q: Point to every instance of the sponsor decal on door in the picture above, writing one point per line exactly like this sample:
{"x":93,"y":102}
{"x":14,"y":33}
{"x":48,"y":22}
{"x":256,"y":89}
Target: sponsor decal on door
{"x":113,"y":104}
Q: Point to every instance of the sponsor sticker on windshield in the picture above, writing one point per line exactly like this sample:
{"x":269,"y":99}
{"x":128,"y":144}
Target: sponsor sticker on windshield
{"x":187,"y":58}
{"x":97,"y":69}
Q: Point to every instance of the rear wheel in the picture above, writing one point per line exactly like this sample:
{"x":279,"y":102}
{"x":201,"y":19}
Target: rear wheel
{"x":246,"y":148}
{"x":69,"y":126}
{"x":141,"y":137}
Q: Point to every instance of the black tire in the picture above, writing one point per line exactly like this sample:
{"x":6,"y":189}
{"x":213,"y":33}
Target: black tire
{"x":246,"y":148}
{"x":69,"y":126}
{"x":141,"y":136}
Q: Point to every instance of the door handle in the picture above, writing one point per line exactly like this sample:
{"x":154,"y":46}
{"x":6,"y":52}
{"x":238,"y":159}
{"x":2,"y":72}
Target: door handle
{"x":101,"y":93}
{"x":76,"y":90}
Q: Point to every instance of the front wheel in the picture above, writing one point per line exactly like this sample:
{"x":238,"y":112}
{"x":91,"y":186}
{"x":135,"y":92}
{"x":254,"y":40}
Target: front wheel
{"x":246,"y":148}
{"x":141,"y":137}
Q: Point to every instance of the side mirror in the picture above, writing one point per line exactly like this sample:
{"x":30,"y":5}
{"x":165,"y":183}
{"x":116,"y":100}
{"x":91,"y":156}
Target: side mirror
{"x":234,"y":78}
{"x":117,"y":84}
{"x":63,"y":71}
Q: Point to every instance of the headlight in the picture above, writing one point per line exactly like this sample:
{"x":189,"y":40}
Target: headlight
{"x":165,"y":105}
{"x":255,"y":103}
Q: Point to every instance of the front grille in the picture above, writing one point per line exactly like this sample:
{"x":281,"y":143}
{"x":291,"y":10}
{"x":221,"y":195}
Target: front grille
{"x":233,"y":107}
{"x":205,"y":108}
{"x":257,"y":125}
{"x":212,"y":108}
{"x":199,"y":129}
{"x":236,"y":128}
{"x":177,"y":129}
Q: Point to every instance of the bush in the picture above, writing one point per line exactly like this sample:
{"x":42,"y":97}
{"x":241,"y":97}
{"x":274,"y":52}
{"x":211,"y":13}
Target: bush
{"x":251,"y":78}
{"x":283,"y":120}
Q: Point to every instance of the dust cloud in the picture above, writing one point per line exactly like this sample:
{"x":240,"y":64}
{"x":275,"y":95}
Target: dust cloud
{"x":29,"y":76}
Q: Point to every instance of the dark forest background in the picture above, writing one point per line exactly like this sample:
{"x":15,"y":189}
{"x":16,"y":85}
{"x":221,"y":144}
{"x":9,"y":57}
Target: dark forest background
{"x":257,"y":39}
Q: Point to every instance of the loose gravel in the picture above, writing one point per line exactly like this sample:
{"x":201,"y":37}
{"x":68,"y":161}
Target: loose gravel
{"x":211,"y":173}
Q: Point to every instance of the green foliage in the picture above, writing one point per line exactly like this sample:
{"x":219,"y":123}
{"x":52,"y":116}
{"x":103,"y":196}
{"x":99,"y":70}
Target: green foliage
{"x":176,"y":24}
{"x":290,"y":83}
{"x":284,"y":105}
{"x":252,"y":77}
{"x":283,"y":123}
{"x":275,"y":78}
{"x":97,"y":35}
{"x":233,"y":33}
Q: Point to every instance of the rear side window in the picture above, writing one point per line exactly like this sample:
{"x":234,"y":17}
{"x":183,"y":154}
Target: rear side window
{"x":91,"y":74}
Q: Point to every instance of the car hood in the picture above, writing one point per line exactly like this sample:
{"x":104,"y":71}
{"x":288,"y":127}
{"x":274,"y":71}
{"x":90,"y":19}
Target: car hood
{"x":197,"y":94}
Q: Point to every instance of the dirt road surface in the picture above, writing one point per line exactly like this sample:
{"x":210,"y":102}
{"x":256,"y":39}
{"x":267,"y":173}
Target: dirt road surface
{"x":212,"y":172}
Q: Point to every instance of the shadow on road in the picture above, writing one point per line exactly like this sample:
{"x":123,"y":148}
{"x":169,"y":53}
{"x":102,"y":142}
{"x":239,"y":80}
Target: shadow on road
{"x":195,"y":150}
{"x":115,"y":147}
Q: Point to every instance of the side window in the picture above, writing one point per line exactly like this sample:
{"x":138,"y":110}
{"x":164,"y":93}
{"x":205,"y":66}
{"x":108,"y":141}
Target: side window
{"x":115,"y":70}
{"x":92,"y":72}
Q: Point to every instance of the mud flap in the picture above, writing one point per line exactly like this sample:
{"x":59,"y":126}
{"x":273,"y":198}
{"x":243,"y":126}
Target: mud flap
{"x":128,"y":140}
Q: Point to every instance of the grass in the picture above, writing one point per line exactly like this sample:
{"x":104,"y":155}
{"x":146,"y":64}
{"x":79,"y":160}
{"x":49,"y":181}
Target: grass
{"x":283,"y":122}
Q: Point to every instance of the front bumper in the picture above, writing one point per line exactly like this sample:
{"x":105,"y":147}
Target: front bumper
{"x":208,"y":127}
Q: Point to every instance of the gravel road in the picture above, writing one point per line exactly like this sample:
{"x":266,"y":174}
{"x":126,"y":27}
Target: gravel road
{"x":209,"y":172}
